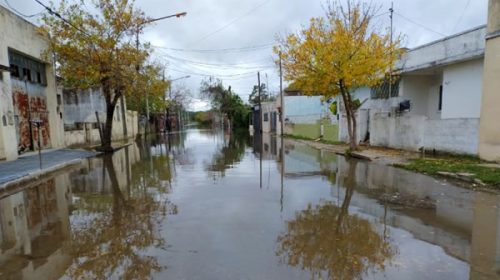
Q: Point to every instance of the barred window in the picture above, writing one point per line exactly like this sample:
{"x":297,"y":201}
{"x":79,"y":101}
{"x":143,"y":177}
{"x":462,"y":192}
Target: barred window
{"x":384,"y":90}
{"x":25,"y":67}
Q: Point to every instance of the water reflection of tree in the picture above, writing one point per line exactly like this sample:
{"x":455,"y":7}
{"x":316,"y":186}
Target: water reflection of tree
{"x":228,"y":155}
{"x":332,"y":244}
{"x":113,"y":241}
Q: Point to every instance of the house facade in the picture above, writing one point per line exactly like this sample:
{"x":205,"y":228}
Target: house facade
{"x":309,"y":116}
{"x":436,"y":102}
{"x":30,"y":107}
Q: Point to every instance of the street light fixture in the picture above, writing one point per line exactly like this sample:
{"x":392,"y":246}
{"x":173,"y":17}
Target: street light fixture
{"x":178,"y":15}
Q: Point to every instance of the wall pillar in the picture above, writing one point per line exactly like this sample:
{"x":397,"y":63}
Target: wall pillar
{"x":489,"y":126}
{"x":8,"y":138}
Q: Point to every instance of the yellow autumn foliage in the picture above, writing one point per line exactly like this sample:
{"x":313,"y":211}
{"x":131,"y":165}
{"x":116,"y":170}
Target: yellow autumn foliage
{"x":338,"y":53}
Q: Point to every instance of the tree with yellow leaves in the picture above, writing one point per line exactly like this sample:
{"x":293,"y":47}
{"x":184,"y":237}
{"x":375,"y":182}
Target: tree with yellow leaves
{"x":98,"y":50}
{"x":337,"y":54}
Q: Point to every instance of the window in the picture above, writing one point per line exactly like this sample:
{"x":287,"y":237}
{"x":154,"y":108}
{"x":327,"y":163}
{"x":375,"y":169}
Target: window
{"x":385,"y":90}
{"x":14,"y":70}
{"x":27,"y":74}
{"x":266,"y":117}
{"x":25,"y":67}
{"x":440,"y":106}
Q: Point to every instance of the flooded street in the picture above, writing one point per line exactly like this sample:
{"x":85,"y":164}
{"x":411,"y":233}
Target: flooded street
{"x":204,"y":205}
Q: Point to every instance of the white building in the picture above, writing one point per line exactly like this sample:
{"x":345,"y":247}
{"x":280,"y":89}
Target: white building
{"x":28,"y":92}
{"x":442,"y":81}
{"x":80,"y":120}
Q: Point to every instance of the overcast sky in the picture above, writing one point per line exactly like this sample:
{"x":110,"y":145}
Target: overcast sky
{"x":197,"y":45}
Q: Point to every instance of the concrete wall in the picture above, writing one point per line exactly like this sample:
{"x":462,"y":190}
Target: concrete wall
{"x":414,"y":132}
{"x":462,"y":89}
{"x":362,"y":122}
{"x":23,"y":37}
{"x":452,"y":135}
{"x":90,"y":136}
{"x":462,"y":46}
{"x":404,"y":132}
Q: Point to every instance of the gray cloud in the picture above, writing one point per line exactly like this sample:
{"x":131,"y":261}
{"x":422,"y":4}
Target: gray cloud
{"x":257,"y":22}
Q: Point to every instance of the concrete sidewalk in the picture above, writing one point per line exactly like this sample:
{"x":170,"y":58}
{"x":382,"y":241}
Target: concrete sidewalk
{"x":27,"y":167}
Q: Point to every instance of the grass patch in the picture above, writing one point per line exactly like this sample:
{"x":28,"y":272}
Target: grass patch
{"x":457,"y":164}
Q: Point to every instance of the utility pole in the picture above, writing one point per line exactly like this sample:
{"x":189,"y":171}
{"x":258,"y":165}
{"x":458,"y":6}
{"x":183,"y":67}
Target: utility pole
{"x":282,"y":154}
{"x":281,"y":98}
{"x":260,"y":129}
{"x":391,"y":10}
{"x":260,"y":102}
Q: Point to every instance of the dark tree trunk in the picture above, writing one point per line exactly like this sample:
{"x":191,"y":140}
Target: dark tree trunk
{"x":111,"y":101}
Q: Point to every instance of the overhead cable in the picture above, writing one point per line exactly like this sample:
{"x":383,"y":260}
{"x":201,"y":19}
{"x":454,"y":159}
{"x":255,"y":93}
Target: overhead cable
{"x":419,"y":24}
{"x":242,"y":49}
{"x":461,"y":15}
{"x":232,"y":21}
{"x":19,"y":13}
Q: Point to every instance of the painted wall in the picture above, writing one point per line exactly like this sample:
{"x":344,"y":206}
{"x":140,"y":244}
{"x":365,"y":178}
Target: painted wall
{"x":462,"y":89}
{"x":489,"y":143}
{"x":22,"y":36}
{"x":416,"y":89}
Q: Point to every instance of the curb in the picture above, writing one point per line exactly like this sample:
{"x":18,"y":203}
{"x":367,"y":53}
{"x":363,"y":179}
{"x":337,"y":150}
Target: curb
{"x":8,"y":187}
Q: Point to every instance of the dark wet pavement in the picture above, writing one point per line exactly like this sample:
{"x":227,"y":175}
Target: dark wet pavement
{"x":203,"y":205}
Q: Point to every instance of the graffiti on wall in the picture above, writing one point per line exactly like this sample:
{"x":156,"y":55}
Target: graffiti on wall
{"x":27,"y":112}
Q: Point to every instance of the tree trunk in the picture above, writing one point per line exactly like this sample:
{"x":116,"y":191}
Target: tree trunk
{"x":351,"y":117}
{"x":108,"y":129}
{"x":108,"y":126}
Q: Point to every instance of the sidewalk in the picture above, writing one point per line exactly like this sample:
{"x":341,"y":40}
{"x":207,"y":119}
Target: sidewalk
{"x":28,"y":166}
{"x":386,"y":156}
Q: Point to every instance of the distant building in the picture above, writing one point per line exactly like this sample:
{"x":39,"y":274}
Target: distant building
{"x":29,"y":104}
{"x":309,"y":116}
{"x":80,"y":120}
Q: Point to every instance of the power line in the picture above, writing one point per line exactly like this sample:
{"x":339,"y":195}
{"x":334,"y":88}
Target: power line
{"x":19,"y":13}
{"x":233,"y":21}
{"x":461,"y":15}
{"x":242,"y":49}
{"x":212,"y":75}
{"x":236,"y":65}
{"x":419,"y":24}
{"x":56,"y":14}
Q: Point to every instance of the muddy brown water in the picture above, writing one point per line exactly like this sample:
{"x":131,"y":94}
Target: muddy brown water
{"x":204,"y":205}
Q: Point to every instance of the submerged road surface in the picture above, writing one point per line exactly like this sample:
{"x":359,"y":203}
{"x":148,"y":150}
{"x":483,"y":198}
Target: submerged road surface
{"x":204,"y":205}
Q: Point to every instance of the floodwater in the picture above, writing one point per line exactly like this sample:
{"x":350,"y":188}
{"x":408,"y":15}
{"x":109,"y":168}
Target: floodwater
{"x":203,"y":205}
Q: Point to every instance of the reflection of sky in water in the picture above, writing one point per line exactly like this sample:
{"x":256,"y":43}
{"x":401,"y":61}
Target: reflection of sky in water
{"x":222,"y":223}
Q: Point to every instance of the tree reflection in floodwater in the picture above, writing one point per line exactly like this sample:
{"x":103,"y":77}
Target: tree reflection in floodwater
{"x":332,"y":244}
{"x":113,"y":241}
{"x":228,"y":155}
